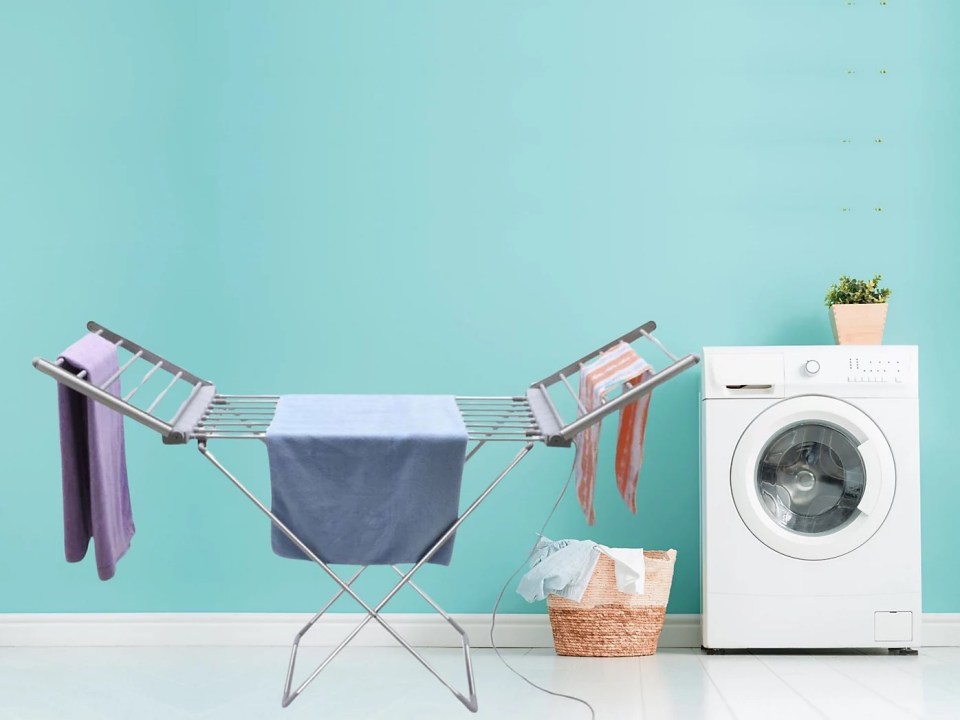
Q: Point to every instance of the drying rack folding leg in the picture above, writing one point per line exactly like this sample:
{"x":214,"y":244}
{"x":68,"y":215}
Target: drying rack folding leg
{"x":469,"y":699}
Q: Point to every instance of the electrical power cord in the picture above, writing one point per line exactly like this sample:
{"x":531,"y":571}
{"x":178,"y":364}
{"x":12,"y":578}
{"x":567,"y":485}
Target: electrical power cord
{"x":496,"y":606}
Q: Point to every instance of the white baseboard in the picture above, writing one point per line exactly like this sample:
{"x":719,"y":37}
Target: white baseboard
{"x":278,"y":629}
{"x":940,"y":629}
{"x":259,"y":629}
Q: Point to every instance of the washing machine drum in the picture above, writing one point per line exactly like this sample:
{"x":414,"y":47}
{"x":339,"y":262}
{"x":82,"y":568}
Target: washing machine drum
{"x":810,"y":478}
{"x":813,"y":477}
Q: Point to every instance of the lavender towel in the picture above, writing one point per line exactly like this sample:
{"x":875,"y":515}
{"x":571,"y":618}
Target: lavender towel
{"x":366,"y":479}
{"x":96,"y":500}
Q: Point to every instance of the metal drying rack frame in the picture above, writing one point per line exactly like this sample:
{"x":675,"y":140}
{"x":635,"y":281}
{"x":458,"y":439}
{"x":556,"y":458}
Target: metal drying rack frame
{"x":207,"y":415}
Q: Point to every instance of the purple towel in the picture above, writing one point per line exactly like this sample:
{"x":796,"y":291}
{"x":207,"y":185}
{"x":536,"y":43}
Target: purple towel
{"x":96,"y":500}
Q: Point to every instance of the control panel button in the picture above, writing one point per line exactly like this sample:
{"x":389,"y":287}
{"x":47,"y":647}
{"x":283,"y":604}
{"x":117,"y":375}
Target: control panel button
{"x":812,"y":367}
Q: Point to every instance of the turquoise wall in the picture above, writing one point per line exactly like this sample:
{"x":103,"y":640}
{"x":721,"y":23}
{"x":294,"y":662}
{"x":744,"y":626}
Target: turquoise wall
{"x":453,"y":197}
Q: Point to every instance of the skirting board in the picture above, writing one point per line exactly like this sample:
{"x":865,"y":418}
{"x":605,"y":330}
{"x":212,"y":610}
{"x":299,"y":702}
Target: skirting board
{"x":278,"y":629}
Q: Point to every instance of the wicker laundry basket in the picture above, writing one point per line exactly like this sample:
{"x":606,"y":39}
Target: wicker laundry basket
{"x":609,"y":623}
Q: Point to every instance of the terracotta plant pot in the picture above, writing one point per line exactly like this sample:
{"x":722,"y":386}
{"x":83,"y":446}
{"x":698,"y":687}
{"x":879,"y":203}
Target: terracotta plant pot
{"x":858,"y":324}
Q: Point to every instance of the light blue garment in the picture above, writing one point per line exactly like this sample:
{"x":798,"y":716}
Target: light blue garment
{"x":366,"y":479}
{"x":561,"y":567}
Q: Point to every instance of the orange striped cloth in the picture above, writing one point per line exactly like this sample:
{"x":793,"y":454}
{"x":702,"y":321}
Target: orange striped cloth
{"x":618,"y":366}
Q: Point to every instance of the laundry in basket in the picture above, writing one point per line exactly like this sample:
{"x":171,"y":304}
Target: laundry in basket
{"x":564,"y":568}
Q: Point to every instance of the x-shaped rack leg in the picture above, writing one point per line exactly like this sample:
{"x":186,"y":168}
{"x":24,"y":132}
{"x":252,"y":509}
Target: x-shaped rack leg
{"x":469,"y":700}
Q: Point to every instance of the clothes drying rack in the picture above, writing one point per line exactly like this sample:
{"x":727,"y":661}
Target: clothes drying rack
{"x":207,"y":415}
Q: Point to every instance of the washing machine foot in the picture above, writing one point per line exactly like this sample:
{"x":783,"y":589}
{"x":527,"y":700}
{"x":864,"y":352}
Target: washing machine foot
{"x":902,"y":651}
{"x":713,"y":651}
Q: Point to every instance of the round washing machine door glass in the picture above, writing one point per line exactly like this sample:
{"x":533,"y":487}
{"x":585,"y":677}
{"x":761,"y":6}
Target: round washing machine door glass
{"x":813,"y":477}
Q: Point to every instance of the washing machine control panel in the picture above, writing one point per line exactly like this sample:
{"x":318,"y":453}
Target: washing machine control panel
{"x":875,"y":369}
{"x":854,"y":371}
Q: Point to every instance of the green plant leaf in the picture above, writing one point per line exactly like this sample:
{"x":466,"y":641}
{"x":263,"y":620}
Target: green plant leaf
{"x":850,"y":291}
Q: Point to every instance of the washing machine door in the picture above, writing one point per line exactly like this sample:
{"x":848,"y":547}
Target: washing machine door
{"x":813,"y":477}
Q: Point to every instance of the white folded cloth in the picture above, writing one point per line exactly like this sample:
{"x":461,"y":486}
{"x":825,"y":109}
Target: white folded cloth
{"x":629,"y":568}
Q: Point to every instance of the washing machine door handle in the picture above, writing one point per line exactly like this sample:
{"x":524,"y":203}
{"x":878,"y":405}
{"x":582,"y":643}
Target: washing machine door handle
{"x":873,"y":477}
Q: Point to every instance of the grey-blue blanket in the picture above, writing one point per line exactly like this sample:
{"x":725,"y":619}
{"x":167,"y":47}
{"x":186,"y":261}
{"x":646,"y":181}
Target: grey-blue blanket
{"x":366,"y":479}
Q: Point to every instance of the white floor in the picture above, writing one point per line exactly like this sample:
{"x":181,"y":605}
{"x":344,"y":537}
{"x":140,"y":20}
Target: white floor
{"x":239,"y":683}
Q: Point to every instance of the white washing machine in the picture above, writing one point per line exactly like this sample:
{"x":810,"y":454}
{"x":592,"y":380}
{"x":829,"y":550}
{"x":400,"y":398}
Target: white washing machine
{"x":810,"y":497}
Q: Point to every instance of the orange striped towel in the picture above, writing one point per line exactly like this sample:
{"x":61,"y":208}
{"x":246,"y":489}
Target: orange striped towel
{"x":618,"y":366}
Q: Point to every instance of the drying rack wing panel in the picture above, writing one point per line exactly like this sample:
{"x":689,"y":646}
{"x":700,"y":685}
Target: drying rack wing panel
{"x":556,"y":430}
{"x":174,"y":430}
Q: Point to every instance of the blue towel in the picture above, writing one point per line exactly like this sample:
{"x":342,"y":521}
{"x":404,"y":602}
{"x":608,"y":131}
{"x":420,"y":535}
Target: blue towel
{"x":366,"y":479}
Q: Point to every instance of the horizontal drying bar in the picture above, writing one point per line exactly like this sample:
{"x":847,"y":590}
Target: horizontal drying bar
{"x":504,"y":419}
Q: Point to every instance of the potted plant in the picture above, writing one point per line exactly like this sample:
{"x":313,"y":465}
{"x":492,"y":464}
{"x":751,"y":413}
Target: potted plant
{"x":858,"y":310}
